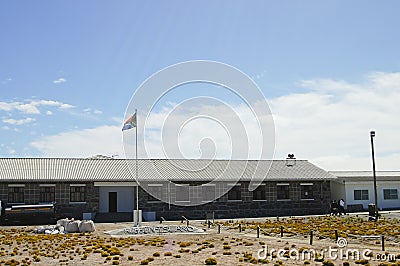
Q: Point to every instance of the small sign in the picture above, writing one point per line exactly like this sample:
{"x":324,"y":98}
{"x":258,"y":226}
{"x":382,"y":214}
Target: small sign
{"x":157,"y":230}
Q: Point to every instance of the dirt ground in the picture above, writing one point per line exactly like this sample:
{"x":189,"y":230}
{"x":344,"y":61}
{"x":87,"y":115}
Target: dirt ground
{"x":20,"y":246}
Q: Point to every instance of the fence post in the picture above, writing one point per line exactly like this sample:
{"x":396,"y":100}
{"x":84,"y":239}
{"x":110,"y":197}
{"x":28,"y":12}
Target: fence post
{"x":311,"y":237}
{"x":209,"y":224}
{"x":383,"y":243}
{"x":240,"y":228}
{"x":219,"y":228}
{"x":336,"y":235}
{"x":258,"y":231}
{"x":281,"y":231}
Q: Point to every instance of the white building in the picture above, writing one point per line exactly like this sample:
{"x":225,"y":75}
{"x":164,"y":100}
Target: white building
{"x":357,"y":189}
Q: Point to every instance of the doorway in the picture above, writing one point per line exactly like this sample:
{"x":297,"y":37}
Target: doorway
{"x":112,"y":201}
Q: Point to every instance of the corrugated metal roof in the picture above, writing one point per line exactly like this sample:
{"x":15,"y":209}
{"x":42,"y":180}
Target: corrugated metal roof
{"x":367,"y":175}
{"x":64,"y":169}
{"x":364,"y":173}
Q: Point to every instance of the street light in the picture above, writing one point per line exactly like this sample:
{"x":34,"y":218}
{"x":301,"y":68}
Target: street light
{"x":372,"y":134}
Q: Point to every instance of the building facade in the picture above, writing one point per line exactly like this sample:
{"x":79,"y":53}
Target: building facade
{"x":105,"y":189}
{"x":357,"y":189}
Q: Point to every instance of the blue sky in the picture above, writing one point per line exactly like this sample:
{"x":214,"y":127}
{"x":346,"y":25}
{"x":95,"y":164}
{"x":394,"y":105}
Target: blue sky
{"x":86,"y":58}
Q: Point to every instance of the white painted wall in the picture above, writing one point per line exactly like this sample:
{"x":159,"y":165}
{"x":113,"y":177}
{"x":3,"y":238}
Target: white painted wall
{"x":125,"y":198}
{"x":382,"y":203}
{"x":338,"y":191}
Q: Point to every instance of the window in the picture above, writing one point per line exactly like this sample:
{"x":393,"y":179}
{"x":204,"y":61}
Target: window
{"x":182,"y":192}
{"x":361,"y":194}
{"x":235,"y":192}
{"x":208,"y":192}
{"x":260,"y":193}
{"x":16,"y":194}
{"x":77,"y":193}
{"x":306,"y":191}
{"x":282,"y":192}
{"x":390,"y":194}
{"x":154,"y":192}
{"x":47,"y":194}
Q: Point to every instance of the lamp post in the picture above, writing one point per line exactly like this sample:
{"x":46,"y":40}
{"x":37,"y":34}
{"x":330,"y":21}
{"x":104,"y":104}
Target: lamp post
{"x":372,"y":135}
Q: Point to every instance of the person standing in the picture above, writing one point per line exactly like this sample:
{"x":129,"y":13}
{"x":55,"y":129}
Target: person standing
{"x":341,"y":207}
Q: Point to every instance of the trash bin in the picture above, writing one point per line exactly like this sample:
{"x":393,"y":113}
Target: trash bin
{"x":371,"y":211}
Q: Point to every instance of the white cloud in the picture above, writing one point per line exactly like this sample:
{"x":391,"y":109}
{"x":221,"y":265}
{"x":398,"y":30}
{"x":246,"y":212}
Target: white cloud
{"x":5,"y":81}
{"x":18,"y":122}
{"x":66,"y":106}
{"x":92,"y":111}
{"x":49,"y":113}
{"x":29,"y":108}
{"x":104,"y":140}
{"x":32,"y":106}
{"x":59,"y":80}
{"x":6,"y":106}
{"x":329,"y":125}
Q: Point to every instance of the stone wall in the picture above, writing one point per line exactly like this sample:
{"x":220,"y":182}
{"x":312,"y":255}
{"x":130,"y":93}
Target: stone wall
{"x":222,"y":207}
{"x":246,"y":207}
{"x":64,"y":208}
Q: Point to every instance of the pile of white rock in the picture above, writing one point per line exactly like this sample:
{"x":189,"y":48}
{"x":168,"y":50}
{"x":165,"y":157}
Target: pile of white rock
{"x":49,"y":229}
{"x":66,"y":225}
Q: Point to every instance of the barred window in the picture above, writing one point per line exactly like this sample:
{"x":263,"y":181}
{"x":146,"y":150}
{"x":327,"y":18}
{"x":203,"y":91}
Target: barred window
{"x":282,"y":192}
{"x":307,"y":191}
{"x":77,"y":194}
{"x":47,"y":194}
{"x":16,"y":194}
{"x":260,"y":193}
{"x":235,"y":192}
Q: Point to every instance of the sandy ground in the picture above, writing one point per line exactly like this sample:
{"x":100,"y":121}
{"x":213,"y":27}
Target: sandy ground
{"x":19,"y":244}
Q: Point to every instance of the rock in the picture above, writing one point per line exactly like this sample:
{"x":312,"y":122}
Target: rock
{"x":63,"y":222}
{"x":60,"y":228}
{"x":86,"y":226}
{"x":39,"y":230}
{"x":72,"y":226}
{"x":66,"y":226}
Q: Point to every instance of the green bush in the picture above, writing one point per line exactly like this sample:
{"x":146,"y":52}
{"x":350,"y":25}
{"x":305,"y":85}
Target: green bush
{"x":328,"y":263}
{"x":211,"y":261}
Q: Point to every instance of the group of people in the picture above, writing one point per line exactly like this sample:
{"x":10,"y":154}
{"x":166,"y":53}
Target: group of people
{"x":337,"y":207}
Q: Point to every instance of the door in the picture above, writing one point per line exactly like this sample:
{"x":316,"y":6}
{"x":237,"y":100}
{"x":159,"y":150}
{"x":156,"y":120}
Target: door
{"x":112,"y":201}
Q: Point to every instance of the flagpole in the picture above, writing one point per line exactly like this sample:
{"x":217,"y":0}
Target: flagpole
{"x":136,"y":162}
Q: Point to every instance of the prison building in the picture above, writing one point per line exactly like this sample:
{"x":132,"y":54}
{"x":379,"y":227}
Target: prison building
{"x":105,"y":189}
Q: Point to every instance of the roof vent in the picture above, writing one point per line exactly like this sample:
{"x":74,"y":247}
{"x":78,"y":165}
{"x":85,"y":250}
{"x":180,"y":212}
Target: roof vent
{"x":290,"y":160}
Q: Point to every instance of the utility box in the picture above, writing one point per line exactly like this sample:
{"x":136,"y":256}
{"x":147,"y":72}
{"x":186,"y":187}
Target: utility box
{"x":149,"y":216}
